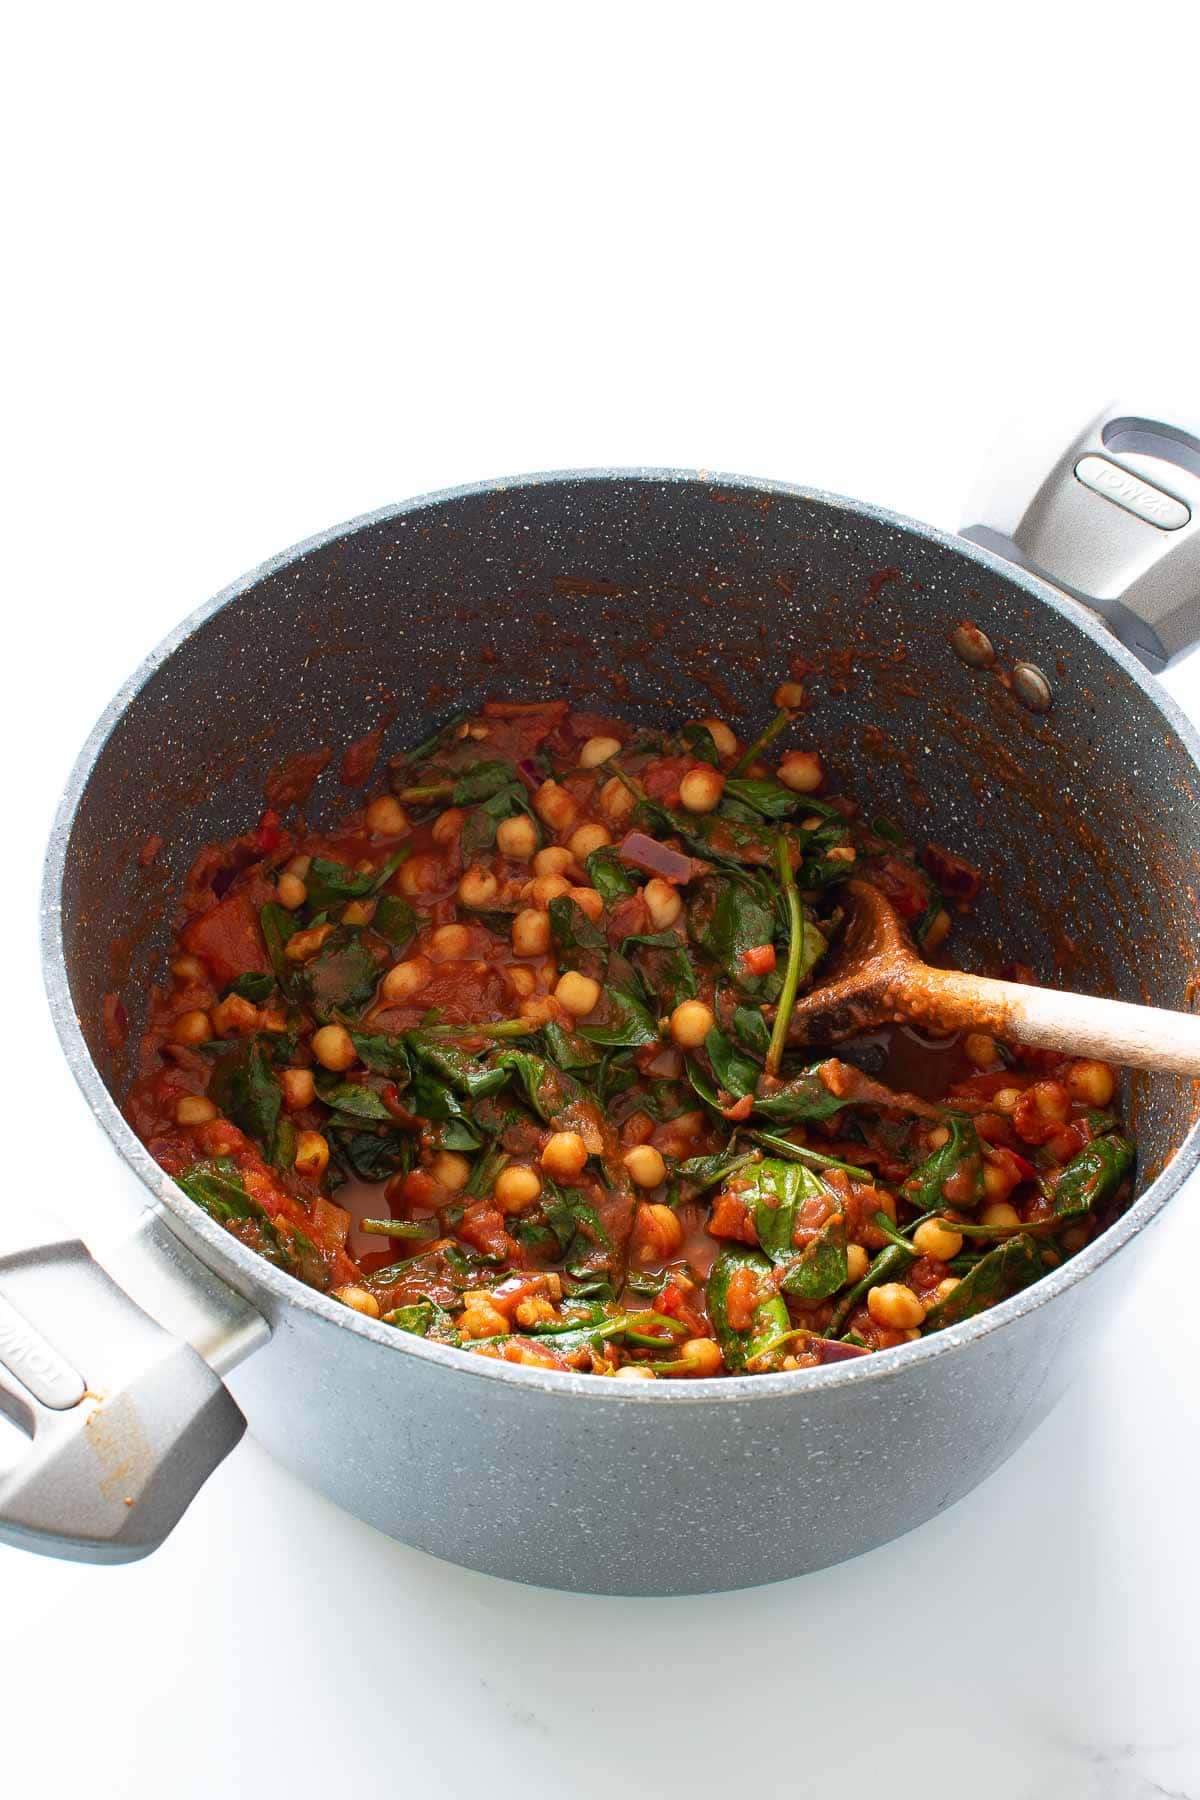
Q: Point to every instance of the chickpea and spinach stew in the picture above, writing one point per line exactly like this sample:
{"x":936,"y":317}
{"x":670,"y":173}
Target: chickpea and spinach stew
{"x":503,"y":1061}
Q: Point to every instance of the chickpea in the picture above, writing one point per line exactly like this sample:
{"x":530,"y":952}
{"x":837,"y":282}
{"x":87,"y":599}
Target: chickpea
{"x":564,"y":1155}
{"x":555,"y":859}
{"x":478,"y":887}
{"x":273,"y":1018}
{"x":841,"y":853}
{"x":700,"y":1356}
{"x":701,"y":789}
{"x":194,"y":1109}
{"x":938,"y":932}
{"x":1000,"y":1212}
{"x":999,"y":1180}
{"x":857,"y":1263}
{"x":298,"y":865}
{"x":1006,"y":1100}
{"x":577,"y":993}
{"x":358,"y":1299}
{"x":555,"y":807}
{"x":235,"y":1017}
{"x":721,"y":735}
{"x":192,"y":1028}
{"x":646,"y":1167}
{"x":894,"y":1304}
{"x":516,"y":1188}
{"x":420,"y":875}
{"x":449,"y":942}
{"x":658,"y":1231}
{"x":517,"y":838}
{"x":299,"y":1089}
{"x":635,"y":1372}
{"x":937,"y":1137}
{"x":304,"y":944}
{"x":587,"y":838}
{"x":333,"y":1048}
{"x":944,"y":1287}
{"x":189,"y":969}
{"x":802,"y":771}
{"x":980,"y":1049}
{"x":405,"y":978}
{"x":598,"y":750}
{"x":447,"y":827}
{"x":358,"y":912}
{"x":312,"y":1155}
{"x":542,"y":1009}
{"x":480,"y":1318}
{"x":589,"y":902}
{"x":1052,"y":1101}
{"x":531,"y":933}
{"x":790,"y":695}
{"x":616,"y":801}
{"x":547,"y":888}
{"x":450,"y":1170}
{"x":662,"y":903}
{"x":691,"y":1023}
{"x":522,"y":981}
{"x":937,"y":1240}
{"x":1091,"y":1083}
{"x":386,"y":817}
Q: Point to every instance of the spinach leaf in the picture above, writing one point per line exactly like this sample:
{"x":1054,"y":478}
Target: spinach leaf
{"x":770,"y":799}
{"x":383,"y":1053}
{"x":246,"y":1091}
{"x":465,"y":1074}
{"x":775,"y":1191}
{"x":751,"y":1029}
{"x":609,"y":876}
{"x":1002,"y":1272}
{"x":351,"y":1098}
{"x":697,"y":1174}
{"x":216,"y":1185}
{"x":369,"y":1155}
{"x":484,"y":781}
{"x":953,"y":1175}
{"x":341,"y":977}
{"x":547,"y":1089}
{"x":479,"y":832}
{"x":890,"y":1265}
{"x":627,"y":1023}
{"x":568,"y":1049}
{"x":820,"y":1269}
{"x":801,"y":1097}
{"x":1092,"y":1177}
{"x":664,"y":967}
{"x":252,"y":986}
{"x":699,"y":740}
{"x":395,"y":920}
{"x":770,"y":1317}
{"x":278,"y":925}
{"x":330,"y":884}
{"x":733,"y":1071}
{"x":725,"y":919}
{"x":571,"y":928}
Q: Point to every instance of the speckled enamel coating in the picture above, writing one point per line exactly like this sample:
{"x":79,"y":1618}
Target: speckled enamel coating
{"x":654,"y":594}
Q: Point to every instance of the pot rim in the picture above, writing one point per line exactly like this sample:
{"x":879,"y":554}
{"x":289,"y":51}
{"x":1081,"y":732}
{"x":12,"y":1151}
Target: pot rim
{"x":221,"y":1251}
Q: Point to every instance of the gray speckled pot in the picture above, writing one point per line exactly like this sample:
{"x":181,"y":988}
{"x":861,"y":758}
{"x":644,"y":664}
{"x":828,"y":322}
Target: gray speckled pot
{"x":649,"y":593}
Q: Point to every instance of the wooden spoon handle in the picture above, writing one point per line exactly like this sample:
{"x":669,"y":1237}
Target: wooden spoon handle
{"x":1147,"y":1037}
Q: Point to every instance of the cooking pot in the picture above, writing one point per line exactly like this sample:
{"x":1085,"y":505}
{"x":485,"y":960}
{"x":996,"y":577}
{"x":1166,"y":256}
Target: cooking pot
{"x":1046,"y":754}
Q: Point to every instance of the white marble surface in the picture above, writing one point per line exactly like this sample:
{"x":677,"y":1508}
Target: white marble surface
{"x":278,"y":268}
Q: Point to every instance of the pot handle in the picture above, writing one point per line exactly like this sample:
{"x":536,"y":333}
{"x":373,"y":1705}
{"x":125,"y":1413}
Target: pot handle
{"x":125,"y":1419}
{"x":1115,"y":524}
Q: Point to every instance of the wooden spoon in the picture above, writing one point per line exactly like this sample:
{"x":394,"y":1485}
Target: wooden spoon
{"x":876,"y":977}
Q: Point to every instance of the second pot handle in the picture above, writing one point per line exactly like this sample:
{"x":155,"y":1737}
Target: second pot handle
{"x":1116,"y":524}
{"x":125,"y":1421}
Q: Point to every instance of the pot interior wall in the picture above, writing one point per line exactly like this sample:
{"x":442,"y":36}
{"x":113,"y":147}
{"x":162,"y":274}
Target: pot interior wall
{"x":663,"y":599}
